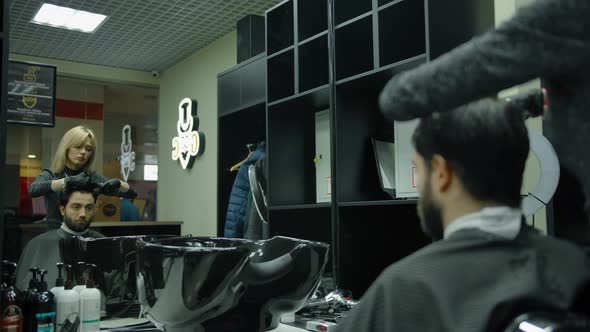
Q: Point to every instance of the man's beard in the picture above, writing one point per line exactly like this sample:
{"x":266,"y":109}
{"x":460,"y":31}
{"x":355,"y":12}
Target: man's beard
{"x":75,"y":226}
{"x":430,"y":214}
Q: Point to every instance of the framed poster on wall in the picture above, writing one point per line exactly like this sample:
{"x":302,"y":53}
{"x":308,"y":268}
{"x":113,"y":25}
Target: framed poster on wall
{"x":31,"y":93}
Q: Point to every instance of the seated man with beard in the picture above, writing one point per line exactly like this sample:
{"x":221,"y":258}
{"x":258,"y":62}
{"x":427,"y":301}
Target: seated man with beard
{"x":76,"y":205}
{"x":485,"y":265}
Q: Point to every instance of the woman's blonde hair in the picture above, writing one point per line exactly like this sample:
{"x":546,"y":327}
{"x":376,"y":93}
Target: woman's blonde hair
{"x":72,"y":138}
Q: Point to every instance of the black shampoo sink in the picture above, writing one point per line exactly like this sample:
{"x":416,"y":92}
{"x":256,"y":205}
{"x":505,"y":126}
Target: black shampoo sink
{"x":218,"y":284}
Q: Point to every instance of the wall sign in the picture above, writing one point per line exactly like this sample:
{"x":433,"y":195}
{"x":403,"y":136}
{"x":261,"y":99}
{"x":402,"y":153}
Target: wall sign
{"x":127,"y":158}
{"x":31,"y":94}
{"x":189,"y":143}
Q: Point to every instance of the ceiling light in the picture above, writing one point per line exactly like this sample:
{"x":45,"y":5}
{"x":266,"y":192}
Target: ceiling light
{"x":32,"y":156}
{"x":68,"y":18}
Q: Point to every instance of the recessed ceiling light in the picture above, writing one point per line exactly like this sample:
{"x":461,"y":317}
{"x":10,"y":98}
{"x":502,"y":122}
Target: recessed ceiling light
{"x":68,"y":18}
{"x":32,"y":156}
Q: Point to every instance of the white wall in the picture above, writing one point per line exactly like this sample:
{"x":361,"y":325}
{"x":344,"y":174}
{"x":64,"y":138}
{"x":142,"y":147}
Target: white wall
{"x":191,"y":195}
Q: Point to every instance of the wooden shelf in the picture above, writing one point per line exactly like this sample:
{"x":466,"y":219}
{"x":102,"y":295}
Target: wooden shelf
{"x":352,"y":20}
{"x":345,"y":10}
{"x":317,"y":98}
{"x":313,"y":64}
{"x":354,"y":48}
{"x":408,"y":18}
{"x":386,"y":71}
{"x":379,"y":203}
{"x":321,"y":34}
{"x":312,"y":18}
{"x":241,"y":108}
{"x":301,"y":206}
{"x":276,"y":54}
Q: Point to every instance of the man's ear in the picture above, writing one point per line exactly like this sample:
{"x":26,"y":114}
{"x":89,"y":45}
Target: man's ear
{"x":442,"y":173}
{"x":62,"y":210}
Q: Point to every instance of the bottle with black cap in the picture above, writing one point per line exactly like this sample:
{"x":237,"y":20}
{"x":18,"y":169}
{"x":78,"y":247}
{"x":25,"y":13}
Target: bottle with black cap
{"x":59,"y":282}
{"x":90,"y":303}
{"x":12,"y":301}
{"x":80,"y":267}
{"x":68,"y":305}
{"x":30,"y":299}
{"x":44,"y":307}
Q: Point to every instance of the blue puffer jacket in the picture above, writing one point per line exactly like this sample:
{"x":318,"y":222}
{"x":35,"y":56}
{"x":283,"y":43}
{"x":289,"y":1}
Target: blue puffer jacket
{"x":237,"y":209}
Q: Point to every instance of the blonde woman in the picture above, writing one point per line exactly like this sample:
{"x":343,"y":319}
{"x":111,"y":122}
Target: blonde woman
{"x":73,"y":166}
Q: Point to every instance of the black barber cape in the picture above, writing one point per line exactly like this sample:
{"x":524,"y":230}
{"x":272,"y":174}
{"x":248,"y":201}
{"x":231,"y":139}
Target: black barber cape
{"x":470,"y":281}
{"x":43,"y":252}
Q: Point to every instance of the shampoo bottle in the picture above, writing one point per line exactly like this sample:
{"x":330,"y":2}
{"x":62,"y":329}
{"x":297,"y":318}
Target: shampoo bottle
{"x":12,"y":301}
{"x":90,"y":304}
{"x":59,"y":282}
{"x":44,"y":307}
{"x":68,"y":305}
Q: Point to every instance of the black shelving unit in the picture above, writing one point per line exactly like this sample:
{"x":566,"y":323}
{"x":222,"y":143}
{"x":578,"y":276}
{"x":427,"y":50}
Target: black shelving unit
{"x":241,"y":121}
{"x":354,"y":48}
{"x":291,"y":148}
{"x":337,"y":55}
{"x":281,"y":75}
{"x":3,"y":99}
{"x":279,"y":27}
{"x":407,"y":16}
{"x":313,"y":63}
{"x":346,"y":10}
{"x":312,"y":18}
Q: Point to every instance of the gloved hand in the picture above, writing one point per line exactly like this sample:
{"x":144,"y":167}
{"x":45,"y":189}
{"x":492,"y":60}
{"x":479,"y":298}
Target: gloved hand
{"x":77,"y":181}
{"x":110,"y":187}
{"x":130,"y":194}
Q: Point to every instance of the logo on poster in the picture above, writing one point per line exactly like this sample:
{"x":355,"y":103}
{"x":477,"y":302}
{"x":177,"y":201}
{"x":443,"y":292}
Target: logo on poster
{"x":30,"y":75}
{"x":29,"y":102}
{"x":189,"y":143}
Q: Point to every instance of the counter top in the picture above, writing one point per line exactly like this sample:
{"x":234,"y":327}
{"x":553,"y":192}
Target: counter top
{"x":97,"y":224}
{"x":122,"y":322}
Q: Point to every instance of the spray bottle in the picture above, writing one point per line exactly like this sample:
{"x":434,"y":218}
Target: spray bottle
{"x":68,"y":305}
{"x":44,"y":307}
{"x":80,"y":282}
{"x":59,"y":282}
{"x":90,"y":303}
{"x":12,"y":301}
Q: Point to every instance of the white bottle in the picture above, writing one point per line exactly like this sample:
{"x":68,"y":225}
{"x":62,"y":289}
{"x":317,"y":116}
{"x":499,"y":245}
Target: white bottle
{"x":68,"y":304}
{"x":90,"y":304}
{"x":59,"y":282}
{"x":81,"y":283}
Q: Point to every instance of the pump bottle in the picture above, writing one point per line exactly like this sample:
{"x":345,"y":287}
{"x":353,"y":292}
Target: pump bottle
{"x":59,"y":282}
{"x":68,"y":305}
{"x":12,"y":301}
{"x":90,"y":304}
{"x":30,"y":299}
{"x":80,"y":282}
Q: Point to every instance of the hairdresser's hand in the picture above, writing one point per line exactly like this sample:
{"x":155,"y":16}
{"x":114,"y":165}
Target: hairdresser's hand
{"x":77,"y":181}
{"x":130,"y":194}
{"x":110,"y":187}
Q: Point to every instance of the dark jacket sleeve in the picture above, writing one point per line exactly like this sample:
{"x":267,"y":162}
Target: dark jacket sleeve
{"x":547,"y":39}
{"x":42,"y":184}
